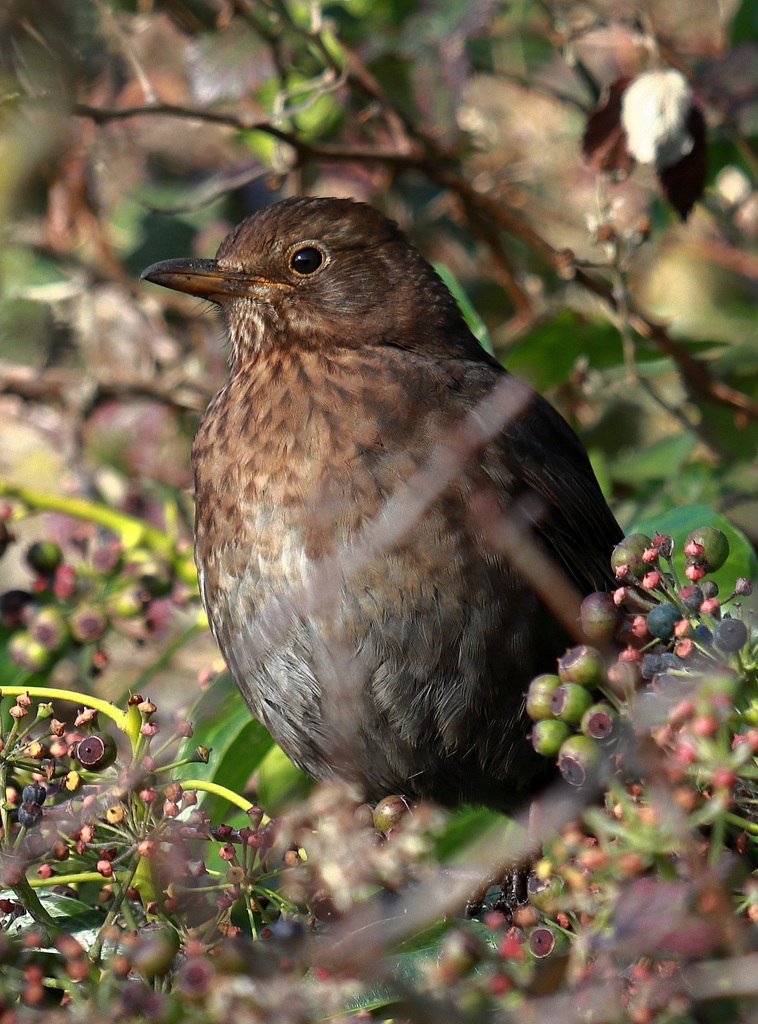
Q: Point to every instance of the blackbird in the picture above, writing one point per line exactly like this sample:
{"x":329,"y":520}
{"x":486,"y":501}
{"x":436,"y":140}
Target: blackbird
{"x":395,"y":659}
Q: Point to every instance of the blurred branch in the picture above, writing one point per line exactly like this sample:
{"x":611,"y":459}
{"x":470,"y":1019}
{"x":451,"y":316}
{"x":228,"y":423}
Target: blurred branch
{"x":67,"y":387}
{"x":413,"y":150}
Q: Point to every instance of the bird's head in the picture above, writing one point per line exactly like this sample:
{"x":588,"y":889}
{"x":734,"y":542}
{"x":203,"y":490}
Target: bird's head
{"x":321,"y":273}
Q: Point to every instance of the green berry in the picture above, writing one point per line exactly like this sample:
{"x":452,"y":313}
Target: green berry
{"x":577,"y":756}
{"x":87,"y":624}
{"x":548,"y":735}
{"x":569,"y":702}
{"x":714,"y":544}
{"x":49,"y":628}
{"x":29,"y":653}
{"x":542,"y":893}
{"x":599,"y":616}
{"x":129,"y":603}
{"x":598,"y":721}
{"x":389,"y":812}
{"x":538,"y":696}
{"x":582,"y":665}
{"x":44,"y":557}
{"x":629,"y":552}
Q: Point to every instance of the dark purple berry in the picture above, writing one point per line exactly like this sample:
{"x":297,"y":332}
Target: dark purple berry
{"x":5,"y":537}
{"x":710,"y":589}
{"x":691,"y":597}
{"x":44,"y":557}
{"x":582,"y":665}
{"x":599,"y":616}
{"x":156,"y":577}
{"x":548,"y":734}
{"x":629,"y":552}
{"x":34,"y":793}
{"x":539,"y":695}
{"x":29,"y":814}
{"x":652,"y":664}
{"x":730,"y":635}
{"x":13,"y":607}
{"x":661,"y":620}
{"x":96,"y":751}
{"x":576,"y":758}
{"x":714,"y":544}
{"x":569,"y":702}
{"x":703,"y":634}
{"x":598,"y":721}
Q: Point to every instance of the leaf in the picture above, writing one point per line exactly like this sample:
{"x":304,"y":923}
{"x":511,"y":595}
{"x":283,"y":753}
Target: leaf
{"x":656,"y":462}
{"x":474,"y":322}
{"x":239,"y":743}
{"x":679,"y":522}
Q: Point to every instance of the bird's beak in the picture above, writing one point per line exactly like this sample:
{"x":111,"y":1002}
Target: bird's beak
{"x":203,"y":278}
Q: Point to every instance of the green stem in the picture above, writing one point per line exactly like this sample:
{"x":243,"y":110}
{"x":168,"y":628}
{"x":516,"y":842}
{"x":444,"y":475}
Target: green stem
{"x":119,"y":896}
{"x":72,"y":879}
{"x":34,"y":907}
{"x":222,"y":791}
{"x":54,"y":693}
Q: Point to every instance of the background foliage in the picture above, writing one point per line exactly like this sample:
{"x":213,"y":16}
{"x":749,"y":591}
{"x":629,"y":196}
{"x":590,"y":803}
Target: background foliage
{"x":139,"y":131}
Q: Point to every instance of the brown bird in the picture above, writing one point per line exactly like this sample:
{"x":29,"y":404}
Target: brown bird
{"x":345,"y":569}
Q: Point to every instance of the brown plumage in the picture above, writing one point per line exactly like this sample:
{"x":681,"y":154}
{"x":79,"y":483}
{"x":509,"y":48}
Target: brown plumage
{"x":400,"y":666}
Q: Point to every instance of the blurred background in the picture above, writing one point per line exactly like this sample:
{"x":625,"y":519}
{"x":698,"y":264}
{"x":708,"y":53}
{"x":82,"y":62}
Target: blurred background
{"x":145,"y":129}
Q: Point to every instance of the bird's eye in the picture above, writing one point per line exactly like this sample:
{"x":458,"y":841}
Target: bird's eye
{"x":307,"y":260}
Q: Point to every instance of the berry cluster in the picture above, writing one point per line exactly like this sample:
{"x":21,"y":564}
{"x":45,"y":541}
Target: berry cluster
{"x":678,"y":642}
{"x":75,"y":598}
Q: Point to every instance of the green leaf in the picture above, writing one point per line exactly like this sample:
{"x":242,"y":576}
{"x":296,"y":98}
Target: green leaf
{"x":222,"y":722}
{"x":655,"y":462}
{"x":475,"y":323}
{"x":679,"y":522}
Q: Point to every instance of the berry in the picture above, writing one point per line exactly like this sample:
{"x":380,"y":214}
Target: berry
{"x":389,"y":812}
{"x":96,"y":752}
{"x":629,"y":553}
{"x":129,"y":602}
{"x":569,"y":702}
{"x":691,"y":597}
{"x":542,"y":892}
{"x":730,"y":635}
{"x":29,"y":814}
{"x":34,"y":793}
{"x":48,"y":627}
{"x":28,"y":652}
{"x":713,"y":544}
{"x":598,"y":721}
{"x":582,"y":665}
{"x":156,"y":577}
{"x":599,"y":616}
{"x":661,"y":620}
{"x":548,"y":735}
{"x":13,"y":607}
{"x":87,"y":624}
{"x":652,"y":665}
{"x":576,"y":758}
{"x":538,"y":696}
{"x":44,"y":557}
{"x":541,"y":942}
